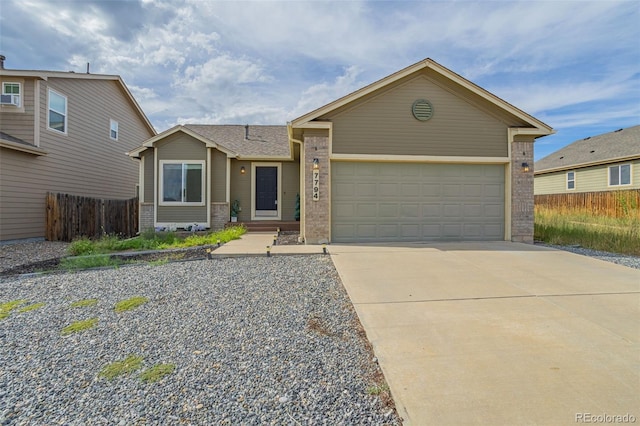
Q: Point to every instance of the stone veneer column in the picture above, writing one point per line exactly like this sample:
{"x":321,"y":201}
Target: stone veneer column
{"x":219,"y":215}
{"x":146,"y":217}
{"x":316,"y":222}
{"x":522,"y":202}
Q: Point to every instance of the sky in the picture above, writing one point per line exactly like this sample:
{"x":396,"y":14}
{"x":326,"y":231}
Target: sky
{"x":575,"y":65}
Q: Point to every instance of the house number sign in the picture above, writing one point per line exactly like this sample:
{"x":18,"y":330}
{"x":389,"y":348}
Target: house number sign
{"x":316,"y":185}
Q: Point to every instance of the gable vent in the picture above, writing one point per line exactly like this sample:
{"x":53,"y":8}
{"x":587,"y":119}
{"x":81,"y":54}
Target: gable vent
{"x":422,"y":110}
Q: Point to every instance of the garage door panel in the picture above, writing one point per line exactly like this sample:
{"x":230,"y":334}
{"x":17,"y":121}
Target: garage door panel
{"x":417,"y":202}
{"x":431,"y":189}
{"x":410,"y":210}
{"x":366,"y":231}
{"x":343,"y":211}
{"x":473,"y":211}
{"x":387,"y":210}
{"x":493,"y":211}
{"x":452,"y":210}
{"x":388,"y":189}
{"x":496,"y":191}
{"x":451,"y":190}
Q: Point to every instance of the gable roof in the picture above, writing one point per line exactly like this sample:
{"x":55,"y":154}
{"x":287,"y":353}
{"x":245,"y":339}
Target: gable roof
{"x":620,"y":145}
{"x":537,"y":127}
{"x":263,"y":142}
{"x":45,"y":75}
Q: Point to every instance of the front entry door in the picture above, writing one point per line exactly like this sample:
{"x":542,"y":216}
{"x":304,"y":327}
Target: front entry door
{"x":266,"y":193}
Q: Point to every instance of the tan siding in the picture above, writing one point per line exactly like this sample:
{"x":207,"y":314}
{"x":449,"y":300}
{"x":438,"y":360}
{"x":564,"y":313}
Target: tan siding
{"x":241,"y":188}
{"x":18,"y":122}
{"x":290,"y":188}
{"x":182,"y":214}
{"x":85,"y":161}
{"x":589,"y":179}
{"x":385,"y":125}
{"x":149,"y":181}
{"x":180,"y":146}
{"x":218,"y":176}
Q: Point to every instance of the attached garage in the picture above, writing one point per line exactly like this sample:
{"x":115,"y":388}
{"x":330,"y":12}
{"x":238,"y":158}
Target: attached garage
{"x":417,"y":202}
{"x":421,"y":155}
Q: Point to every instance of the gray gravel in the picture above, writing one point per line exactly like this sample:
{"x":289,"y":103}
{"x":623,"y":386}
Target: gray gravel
{"x":620,"y":259}
{"x":14,"y":254}
{"x":254,"y":341}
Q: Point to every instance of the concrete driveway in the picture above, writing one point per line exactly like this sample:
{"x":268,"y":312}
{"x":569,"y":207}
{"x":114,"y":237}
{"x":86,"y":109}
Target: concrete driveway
{"x":499,"y":333}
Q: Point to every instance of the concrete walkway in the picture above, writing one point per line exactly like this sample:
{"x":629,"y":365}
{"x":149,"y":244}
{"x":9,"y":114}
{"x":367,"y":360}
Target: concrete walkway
{"x":498,"y":333}
{"x":254,"y":243}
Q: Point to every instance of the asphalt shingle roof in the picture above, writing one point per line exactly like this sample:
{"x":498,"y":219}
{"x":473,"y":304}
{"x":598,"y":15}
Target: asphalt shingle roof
{"x":263,"y":141}
{"x":624,"y":143}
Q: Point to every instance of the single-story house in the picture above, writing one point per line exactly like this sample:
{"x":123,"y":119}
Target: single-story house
{"x":421,"y":155}
{"x":606,"y":162}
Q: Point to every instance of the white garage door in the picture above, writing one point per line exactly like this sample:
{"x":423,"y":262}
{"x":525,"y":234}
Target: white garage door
{"x":416,"y":202}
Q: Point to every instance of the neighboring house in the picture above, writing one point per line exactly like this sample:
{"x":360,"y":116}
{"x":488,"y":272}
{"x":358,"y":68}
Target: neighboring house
{"x":421,"y":155}
{"x":63,"y":132}
{"x":607,"y":162}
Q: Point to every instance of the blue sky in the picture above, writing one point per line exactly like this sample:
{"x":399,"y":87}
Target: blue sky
{"x":572,"y":64}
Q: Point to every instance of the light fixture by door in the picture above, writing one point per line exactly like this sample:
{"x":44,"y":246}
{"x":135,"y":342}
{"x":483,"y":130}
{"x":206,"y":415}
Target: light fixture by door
{"x":242,"y":170}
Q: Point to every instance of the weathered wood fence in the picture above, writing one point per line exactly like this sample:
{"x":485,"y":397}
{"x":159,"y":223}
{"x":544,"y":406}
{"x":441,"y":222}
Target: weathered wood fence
{"x":71,"y":216}
{"x":606,"y":203}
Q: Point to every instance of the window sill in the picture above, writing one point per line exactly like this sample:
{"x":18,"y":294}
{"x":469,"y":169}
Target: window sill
{"x":29,"y":149}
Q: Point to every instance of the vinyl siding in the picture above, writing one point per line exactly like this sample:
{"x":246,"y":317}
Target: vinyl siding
{"x":241,"y":188}
{"x":84,"y":162}
{"x":290,"y":189}
{"x":19,"y":122}
{"x":384,"y":124}
{"x":589,"y":179}
{"x":179,"y":214}
{"x":218,"y":176}
{"x":149,"y":183}
{"x":180,"y":146}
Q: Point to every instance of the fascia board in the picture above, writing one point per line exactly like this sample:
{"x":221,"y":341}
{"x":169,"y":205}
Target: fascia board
{"x":590,"y":164}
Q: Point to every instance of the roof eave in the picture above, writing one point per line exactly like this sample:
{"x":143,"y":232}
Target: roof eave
{"x":589,"y":164}
{"x":542,"y":128}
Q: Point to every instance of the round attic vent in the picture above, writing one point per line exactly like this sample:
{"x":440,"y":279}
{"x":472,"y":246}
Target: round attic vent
{"x":422,"y":109}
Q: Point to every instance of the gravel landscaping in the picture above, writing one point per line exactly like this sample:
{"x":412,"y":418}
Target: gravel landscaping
{"x":252,"y":340}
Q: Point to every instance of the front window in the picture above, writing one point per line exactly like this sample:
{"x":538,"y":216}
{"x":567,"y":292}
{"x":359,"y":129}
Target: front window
{"x":571,"y":180}
{"x":620,"y":175}
{"x":113,"y":131}
{"x":57,"y":112}
{"x":11,"y":94}
{"x":182,"y":183}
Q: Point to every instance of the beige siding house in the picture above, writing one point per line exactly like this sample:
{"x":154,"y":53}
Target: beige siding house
{"x":421,"y":155}
{"x":192,"y":175}
{"x":63,"y":132}
{"x":607,"y":162}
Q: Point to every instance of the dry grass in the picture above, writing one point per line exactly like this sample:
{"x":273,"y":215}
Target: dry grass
{"x":580,"y":227}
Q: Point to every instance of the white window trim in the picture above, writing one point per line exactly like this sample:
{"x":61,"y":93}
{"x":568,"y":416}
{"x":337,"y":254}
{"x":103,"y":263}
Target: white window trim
{"x":619,"y":166}
{"x":117,"y":129}
{"x":19,"y":94}
{"x":66,"y":116}
{"x":571,"y":180}
{"x":180,"y":203}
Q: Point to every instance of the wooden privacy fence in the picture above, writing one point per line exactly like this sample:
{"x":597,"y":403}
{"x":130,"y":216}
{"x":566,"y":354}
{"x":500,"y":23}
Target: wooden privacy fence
{"x":72,"y":216}
{"x":605,"y":203}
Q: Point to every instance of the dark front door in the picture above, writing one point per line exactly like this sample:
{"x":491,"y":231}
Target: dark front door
{"x":266,"y":189}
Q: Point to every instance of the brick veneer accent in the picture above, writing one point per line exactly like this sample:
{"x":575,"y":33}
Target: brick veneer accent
{"x":316,"y":219}
{"x":522,"y":205}
{"x":146,"y":216}
{"x":219,"y":215}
